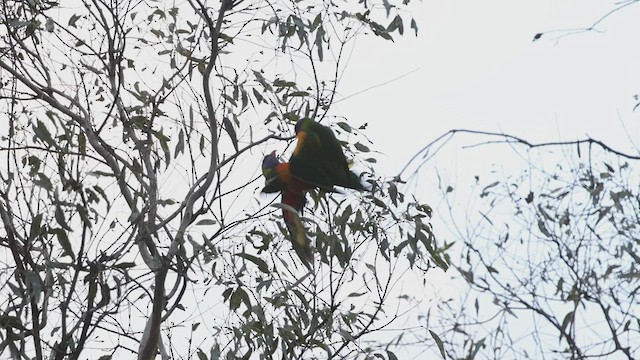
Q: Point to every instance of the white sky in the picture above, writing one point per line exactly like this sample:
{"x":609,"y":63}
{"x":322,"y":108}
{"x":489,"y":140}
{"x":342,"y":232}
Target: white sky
{"x":479,"y":69}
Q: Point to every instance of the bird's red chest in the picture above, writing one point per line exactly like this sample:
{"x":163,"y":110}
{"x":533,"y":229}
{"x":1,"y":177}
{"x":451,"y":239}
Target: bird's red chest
{"x":293,"y":184}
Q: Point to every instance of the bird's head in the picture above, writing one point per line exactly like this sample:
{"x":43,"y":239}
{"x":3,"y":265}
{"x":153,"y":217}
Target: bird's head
{"x":301,"y":124}
{"x":269,"y":164}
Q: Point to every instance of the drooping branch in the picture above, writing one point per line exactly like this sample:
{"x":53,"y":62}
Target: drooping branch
{"x":432,"y":148}
{"x":151,"y":336}
{"x":22,"y":273}
{"x":566,"y":32}
{"x":214,"y":28}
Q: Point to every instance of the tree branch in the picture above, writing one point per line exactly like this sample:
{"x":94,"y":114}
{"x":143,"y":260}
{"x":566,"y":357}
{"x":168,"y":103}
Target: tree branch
{"x":511,"y":139}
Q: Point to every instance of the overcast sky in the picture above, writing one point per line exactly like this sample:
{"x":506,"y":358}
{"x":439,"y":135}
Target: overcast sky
{"x":474,"y":65}
{"x":477,"y":67}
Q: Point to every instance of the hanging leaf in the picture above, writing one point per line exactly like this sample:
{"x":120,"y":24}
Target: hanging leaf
{"x":344,"y":126}
{"x":393,"y":193}
{"x":206,"y":222}
{"x":361,"y":147}
{"x":43,"y":134}
{"x":72,"y":21}
{"x":439,"y":343}
{"x":34,"y":163}
{"x":82,"y":144}
{"x":229,"y":99}
{"x":244,"y":98}
{"x":59,"y":215}
{"x":414,"y":26}
{"x":543,"y":228}
{"x":391,"y":355}
{"x":105,"y":295}
{"x":237,"y":298}
{"x":44,"y":181}
{"x":319,"y":40}
{"x":202,"y":355}
{"x":529,"y":197}
{"x":180,"y":145}
{"x":262,"y":265}
{"x":228,"y":127}
{"x":125,"y":265}
{"x":49,"y":25}
{"x":396,"y":24}
{"x":568,"y":319}
{"x":9,"y":321}
{"x":258,"y":96}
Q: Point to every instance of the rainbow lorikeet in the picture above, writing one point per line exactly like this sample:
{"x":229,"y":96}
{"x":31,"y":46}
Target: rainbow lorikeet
{"x":318,"y":158}
{"x":279,"y":178}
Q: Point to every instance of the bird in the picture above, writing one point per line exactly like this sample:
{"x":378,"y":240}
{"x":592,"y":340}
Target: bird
{"x":318,"y":158}
{"x":279,"y":179}
{"x":278,"y":176}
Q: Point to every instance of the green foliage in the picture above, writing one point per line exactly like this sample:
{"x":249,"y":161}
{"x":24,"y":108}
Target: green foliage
{"x":556,"y":244}
{"x":129,"y":204}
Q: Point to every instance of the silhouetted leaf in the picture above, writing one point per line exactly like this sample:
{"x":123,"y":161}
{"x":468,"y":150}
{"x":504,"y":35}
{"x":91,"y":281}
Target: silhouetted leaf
{"x":43,"y":181}
{"x":543,"y":228}
{"x":361,"y":147}
{"x":206,"y":222}
{"x":565,"y":322}
{"x":529,"y":198}
{"x":319,"y":41}
{"x":439,"y":343}
{"x":64,"y":242}
{"x":180,"y":145}
{"x":10,"y":321}
{"x":35,"y":229}
{"x":202,"y":355}
{"x":43,"y":134}
{"x":72,"y":21}
{"x":262,"y":265}
{"x":125,"y":265}
{"x":228,"y":127}
{"x":237,"y":298}
{"x":60,"y":219}
{"x":393,"y":193}
{"x":344,"y":126}
{"x":49,"y":25}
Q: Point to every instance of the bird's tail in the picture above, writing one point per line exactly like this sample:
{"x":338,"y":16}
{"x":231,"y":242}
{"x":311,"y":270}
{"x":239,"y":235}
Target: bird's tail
{"x":301,"y":243}
{"x":353,"y":182}
{"x":298,"y":235}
